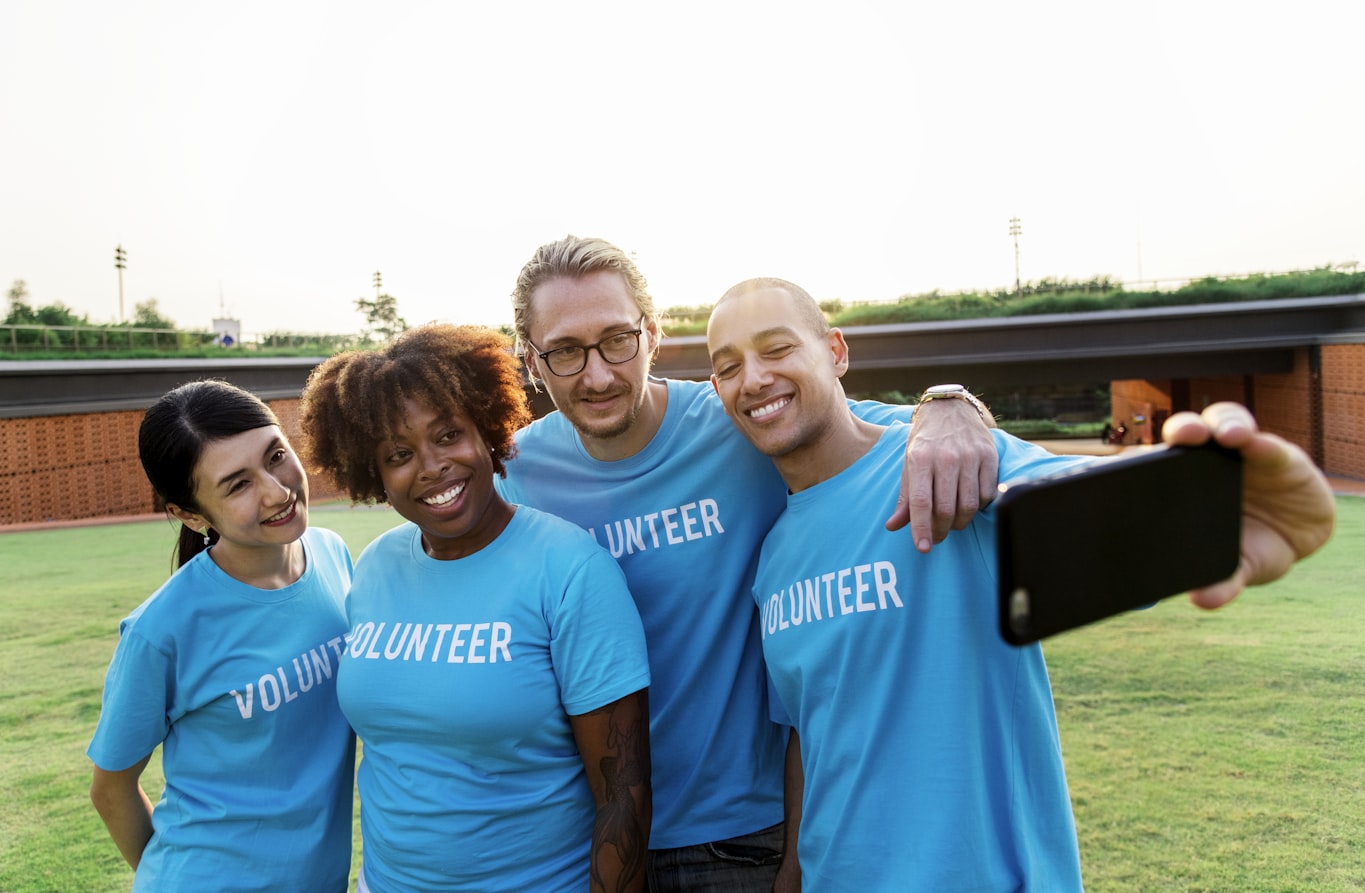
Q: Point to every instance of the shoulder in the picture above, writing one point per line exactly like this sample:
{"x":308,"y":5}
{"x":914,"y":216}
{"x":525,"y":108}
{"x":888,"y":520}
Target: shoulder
{"x":881,"y":413}
{"x":694,"y":397}
{"x":545,"y":431}
{"x":387,"y":545}
{"x":325,"y":542}
{"x":163,"y":612}
{"x":531,"y":523}
{"x":553,"y":548}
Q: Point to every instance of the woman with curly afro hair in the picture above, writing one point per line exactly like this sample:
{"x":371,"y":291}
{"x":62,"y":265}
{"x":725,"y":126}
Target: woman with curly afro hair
{"x":495,"y":668}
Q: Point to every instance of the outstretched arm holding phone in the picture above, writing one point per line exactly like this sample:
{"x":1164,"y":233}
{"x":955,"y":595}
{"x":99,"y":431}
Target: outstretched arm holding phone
{"x":1287,"y":507}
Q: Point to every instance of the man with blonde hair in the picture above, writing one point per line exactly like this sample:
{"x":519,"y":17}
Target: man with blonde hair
{"x":653,"y":470}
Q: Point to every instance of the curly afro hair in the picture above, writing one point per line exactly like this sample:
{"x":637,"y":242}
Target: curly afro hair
{"x":353,"y":401}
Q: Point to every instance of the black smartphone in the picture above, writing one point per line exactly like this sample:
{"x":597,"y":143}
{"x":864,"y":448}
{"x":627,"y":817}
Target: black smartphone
{"x":1123,"y":533}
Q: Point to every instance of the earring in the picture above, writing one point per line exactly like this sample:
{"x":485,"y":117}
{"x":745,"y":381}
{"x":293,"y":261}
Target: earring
{"x":207,"y":543}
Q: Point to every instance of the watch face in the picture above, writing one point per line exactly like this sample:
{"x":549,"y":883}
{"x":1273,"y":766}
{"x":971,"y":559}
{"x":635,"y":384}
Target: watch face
{"x":945,"y":389}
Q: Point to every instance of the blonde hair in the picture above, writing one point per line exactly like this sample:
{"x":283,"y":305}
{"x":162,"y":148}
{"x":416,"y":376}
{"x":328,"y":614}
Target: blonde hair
{"x":574,"y":258}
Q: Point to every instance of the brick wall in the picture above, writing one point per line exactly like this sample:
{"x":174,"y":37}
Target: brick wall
{"x":1140,"y":406}
{"x":1283,"y":403}
{"x":1343,"y":409}
{"x":68,"y":467}
{"x":71,"y":467}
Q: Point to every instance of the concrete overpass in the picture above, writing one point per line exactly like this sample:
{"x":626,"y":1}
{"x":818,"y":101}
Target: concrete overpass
{"x":1197,"y":341}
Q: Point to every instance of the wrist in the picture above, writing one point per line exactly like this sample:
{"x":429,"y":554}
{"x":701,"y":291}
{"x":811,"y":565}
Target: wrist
{"x":954,"y":392}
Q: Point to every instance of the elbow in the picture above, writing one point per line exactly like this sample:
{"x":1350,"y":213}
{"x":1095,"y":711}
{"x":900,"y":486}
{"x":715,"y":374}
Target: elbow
{"x":100,"y":797}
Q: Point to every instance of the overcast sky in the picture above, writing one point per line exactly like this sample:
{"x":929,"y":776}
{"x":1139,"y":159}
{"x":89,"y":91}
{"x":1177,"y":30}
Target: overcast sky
{"x":264,"y":159}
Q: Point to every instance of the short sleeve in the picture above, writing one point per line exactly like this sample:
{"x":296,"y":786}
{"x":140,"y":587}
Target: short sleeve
{"x":134,"y":710}
{"x":597,"y":642}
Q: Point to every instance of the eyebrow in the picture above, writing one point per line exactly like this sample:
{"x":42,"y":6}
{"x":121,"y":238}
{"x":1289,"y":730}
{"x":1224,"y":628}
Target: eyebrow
{"x":275,"y":443}
{"x":761,"y":335}
{"x":607,"y":331}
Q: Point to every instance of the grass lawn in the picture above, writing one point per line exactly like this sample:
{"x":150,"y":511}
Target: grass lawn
{"x":1219,"y":751}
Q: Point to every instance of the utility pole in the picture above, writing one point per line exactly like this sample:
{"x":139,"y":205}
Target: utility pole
{"x":120,"y":261}
{"x":377,"y":285}
{"x":1015,"y":230}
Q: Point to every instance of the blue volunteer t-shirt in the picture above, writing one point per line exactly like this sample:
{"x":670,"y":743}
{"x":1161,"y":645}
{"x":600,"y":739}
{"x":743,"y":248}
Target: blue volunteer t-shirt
{"x":684,"y":518}
{"x":460,"y":678}
{"x":930,"y":746}
{"x":239,"y":686}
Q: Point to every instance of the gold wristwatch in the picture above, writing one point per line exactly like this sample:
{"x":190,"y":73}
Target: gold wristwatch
{"x":953,"y":392}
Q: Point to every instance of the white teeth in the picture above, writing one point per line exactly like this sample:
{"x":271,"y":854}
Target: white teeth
{"x":769,"y":408}
{"x":282,"y":515}
{"x":446,"y":497}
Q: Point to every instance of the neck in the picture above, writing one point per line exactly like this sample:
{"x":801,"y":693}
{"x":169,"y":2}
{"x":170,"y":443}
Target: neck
{"x":639,"y":434}
{"x":264,"y":567}
{"x":839,"y":445}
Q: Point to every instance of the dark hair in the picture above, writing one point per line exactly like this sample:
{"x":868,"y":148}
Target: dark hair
{"x":173,"y":435}
{"x":354,"y":401}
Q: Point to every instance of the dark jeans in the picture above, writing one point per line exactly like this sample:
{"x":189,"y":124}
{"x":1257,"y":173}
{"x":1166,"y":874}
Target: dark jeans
{"x":745,"y":864}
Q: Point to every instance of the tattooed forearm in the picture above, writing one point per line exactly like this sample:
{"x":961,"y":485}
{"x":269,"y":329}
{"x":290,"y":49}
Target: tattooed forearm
{"x":620,"y":839}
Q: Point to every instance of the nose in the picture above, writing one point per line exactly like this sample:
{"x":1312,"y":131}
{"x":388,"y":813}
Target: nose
{"x":597,"y":371}
{"x":433,"y":463}
{"x":754,"y":376}
{"x":280,"y":490}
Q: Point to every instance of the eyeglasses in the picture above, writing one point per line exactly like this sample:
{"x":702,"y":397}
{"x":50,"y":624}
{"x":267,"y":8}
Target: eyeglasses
{"x":615,"y":349}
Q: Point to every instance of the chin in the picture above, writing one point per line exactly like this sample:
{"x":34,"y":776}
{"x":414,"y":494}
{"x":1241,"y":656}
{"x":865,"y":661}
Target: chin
{"x":604,"y":429}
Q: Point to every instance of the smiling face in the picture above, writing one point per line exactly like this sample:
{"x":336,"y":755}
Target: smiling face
{"x":437,"y":473}
{"x":250,"y":488}
{"x":777,"y":378}
{"x":610,"y":405}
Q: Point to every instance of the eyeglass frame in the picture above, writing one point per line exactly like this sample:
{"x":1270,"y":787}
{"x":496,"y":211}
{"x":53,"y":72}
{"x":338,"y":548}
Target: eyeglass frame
{"x":583,"y":350}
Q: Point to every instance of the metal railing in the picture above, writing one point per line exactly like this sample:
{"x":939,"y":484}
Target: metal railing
{"x":17,"y":340}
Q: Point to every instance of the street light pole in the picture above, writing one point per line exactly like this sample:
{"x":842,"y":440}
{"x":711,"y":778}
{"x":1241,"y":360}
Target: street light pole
{"x":376,"y":285}
{"x":1015,"y":230}
{"x":120,"y":261}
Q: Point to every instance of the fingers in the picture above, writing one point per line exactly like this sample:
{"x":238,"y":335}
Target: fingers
{"x":1273,"y":538}
{"x":1212,"y":597}
{"x":950,"y":471}
{"x":1229,"y":424}
{"x":943,"y":493}
{"x":901,"y":516}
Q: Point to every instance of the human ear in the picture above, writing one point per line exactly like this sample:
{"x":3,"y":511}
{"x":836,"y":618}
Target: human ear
{"x":190,"y":519}
{"x":651,"y":328}
{"x":532,"y":362}
{"x":839,"y":347}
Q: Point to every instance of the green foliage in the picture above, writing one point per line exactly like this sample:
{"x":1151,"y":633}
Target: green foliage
{"x":382,"y":321}
{"x":1101,"y":293}
{"x":147,"y":315}
{"x":287,"y":344}
{"x":22,"y":313}
{"x":1037,"y":429}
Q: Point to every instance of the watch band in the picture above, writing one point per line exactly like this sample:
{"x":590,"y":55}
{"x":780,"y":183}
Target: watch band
{"x":953,"y":392}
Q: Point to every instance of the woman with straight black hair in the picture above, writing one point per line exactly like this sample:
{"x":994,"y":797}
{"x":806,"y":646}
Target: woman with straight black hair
{"x":231,"y":667}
